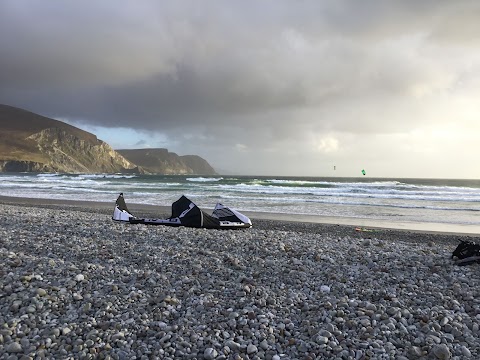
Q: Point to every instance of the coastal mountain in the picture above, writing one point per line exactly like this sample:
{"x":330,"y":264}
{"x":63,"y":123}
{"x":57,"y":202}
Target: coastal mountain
{"x":33,"y":143}
{"x":161,"y":161}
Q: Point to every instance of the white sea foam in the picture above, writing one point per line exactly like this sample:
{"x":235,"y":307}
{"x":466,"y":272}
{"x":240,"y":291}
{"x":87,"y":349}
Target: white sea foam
{"x":203,"y":179}
{"x":415,"y":200}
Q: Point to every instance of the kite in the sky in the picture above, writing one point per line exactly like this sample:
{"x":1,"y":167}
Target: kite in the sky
{"x":363,"y":172}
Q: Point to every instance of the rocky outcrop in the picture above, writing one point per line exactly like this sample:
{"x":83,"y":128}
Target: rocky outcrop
{"x":23,"y":166}
{"x":34,"y":143}
{"x":161,"y":161}
{"x":68,"y":153}
{"x":199,"y":165}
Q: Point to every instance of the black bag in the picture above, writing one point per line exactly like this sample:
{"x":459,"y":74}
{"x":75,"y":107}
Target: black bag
{"x":466,"y":253}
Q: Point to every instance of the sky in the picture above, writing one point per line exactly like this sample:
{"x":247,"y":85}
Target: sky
{"x":270,"y":87}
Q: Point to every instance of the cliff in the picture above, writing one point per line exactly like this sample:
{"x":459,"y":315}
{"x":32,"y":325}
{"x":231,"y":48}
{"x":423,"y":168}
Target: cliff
{"x":161,"y":161}
{"x":31,"y":142}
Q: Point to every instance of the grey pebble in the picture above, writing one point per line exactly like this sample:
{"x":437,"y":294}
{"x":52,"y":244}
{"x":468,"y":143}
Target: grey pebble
{"x":13,"y":347}
{"x":74,"y":284}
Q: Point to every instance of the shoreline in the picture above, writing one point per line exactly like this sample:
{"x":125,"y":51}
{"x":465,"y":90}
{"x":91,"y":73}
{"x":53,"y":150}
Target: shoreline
{"x":165,"y":211}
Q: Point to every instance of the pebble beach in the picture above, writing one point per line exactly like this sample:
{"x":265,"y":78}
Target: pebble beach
{"x":76,"y":285}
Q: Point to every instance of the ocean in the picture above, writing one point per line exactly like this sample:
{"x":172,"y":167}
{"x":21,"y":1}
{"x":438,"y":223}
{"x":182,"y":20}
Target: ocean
{"x":436,"y":201}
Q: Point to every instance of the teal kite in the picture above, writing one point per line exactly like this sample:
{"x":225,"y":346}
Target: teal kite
{"x":363,"y":172}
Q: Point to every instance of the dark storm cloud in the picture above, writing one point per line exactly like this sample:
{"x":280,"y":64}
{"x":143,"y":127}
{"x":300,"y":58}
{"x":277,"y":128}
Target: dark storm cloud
{"x":208,"y":58}
{"x":259,"y":71}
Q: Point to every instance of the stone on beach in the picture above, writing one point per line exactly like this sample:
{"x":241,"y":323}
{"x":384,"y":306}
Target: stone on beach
{"x":77,"y":285}
{"x":13,"y":347}
{"x":441,"y":352}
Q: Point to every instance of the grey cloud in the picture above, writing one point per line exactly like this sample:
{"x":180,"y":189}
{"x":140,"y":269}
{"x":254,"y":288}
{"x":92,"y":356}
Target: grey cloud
{"x":251,"y":73}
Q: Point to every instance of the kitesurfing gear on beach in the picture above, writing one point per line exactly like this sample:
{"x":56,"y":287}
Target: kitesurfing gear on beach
{"x":466,"y":253}
{"x":186,"y":213}
{"x":121,"y":213}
